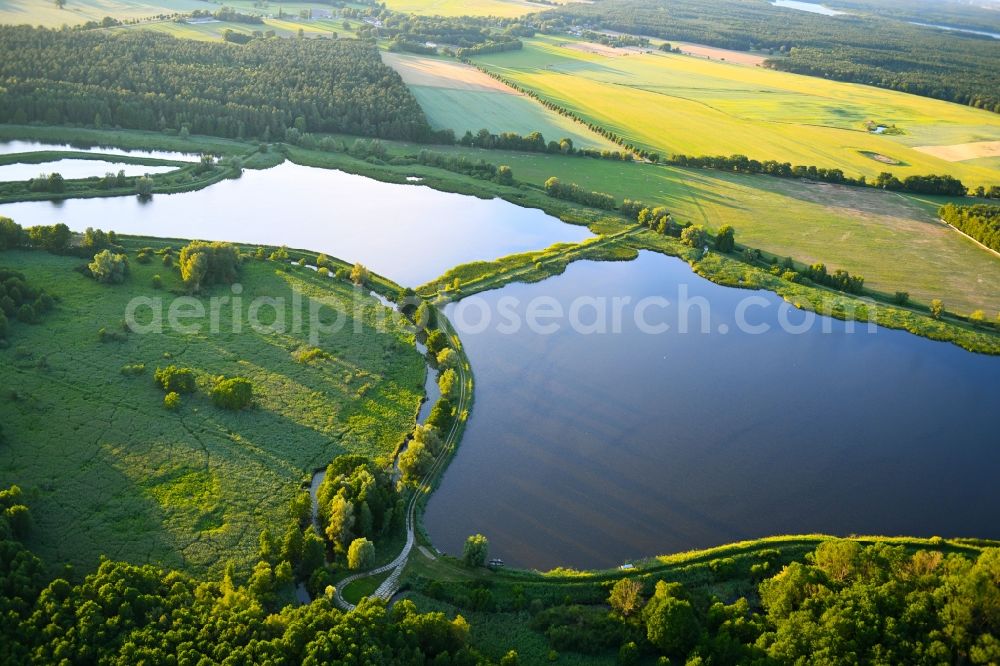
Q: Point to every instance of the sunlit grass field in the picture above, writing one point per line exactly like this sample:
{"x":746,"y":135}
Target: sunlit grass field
{"x":38,"y":12}
{"x":111,"y":471}
{"x":680,"y":104}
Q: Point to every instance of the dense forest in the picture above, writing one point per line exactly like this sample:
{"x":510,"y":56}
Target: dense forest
{"x":129,"y":614}
{"x":981,"y":222}
{"x":144,"y":80}
{"x":862,"y":49}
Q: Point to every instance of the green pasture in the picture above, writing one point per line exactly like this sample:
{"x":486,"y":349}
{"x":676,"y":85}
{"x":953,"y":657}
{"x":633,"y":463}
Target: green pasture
{"x":113,"y":472}
{"x":472,"y":110}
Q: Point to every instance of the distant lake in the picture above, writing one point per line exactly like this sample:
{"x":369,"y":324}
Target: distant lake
{"x":10,"y":147}
{"x":409,"y":233}
{"x":589,"y":449}
{"x":953,"y":29}
{"x":71,"y":168}
{"x":811,"y":7}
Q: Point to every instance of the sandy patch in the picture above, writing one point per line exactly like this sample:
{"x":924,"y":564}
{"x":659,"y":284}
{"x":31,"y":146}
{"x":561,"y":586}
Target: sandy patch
{"x":607,"y":51}
{"x":963,"y":151}
{"x":712,"y":53}
{"x":436,"y":73}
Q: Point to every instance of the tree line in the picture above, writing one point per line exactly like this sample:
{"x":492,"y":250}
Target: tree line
{"x":126,"y":614}
{"x":144,"y":80}
{"x":980,"y":221}
{"x":862,"y":49}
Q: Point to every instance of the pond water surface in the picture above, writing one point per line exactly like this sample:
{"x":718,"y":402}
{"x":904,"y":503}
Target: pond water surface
{"x":408,"y":233}
{"x":10,"y":147}
{"x":71,"y":168}
{"x":589,"y":449}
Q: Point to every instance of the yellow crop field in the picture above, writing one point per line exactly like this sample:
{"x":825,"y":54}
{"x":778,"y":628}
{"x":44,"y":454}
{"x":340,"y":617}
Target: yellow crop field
{"x":681,"y":104}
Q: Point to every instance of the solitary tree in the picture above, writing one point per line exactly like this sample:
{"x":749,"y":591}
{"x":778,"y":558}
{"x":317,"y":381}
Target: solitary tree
{"x":361,"y":554}
{"x":626,"y":596}
{"x":144,"y":187}
{"x":937,"y":308}
{"x":359,"y":274}
{"x":476,"y":549}
{"x":725,"y":239}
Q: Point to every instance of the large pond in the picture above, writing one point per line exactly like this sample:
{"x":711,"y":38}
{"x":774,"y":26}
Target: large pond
{"x":71,"y":168}
{"x":589,"y":448}
{"x":409,"y":233}
{"x":11,"y":147}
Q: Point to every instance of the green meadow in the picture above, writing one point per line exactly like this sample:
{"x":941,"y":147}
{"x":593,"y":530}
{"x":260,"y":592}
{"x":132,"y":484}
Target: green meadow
{"x":472,"y":110}
{"x":111,"y":471}
{"x":673,"y":104}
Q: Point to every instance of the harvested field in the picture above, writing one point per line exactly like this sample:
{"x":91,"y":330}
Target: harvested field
{"x":438,"y":73}
{"x":963,"y":151}
{"x":713,"y":53}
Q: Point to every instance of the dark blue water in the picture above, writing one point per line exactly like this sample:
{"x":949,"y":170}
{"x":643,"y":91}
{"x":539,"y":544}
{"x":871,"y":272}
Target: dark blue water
{"x":590,"y":449}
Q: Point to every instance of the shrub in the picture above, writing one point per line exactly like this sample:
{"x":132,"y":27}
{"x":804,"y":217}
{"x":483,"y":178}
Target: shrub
{"x":174,"y":379}
{"x":937,"y":308}
{"x":209,"y":263}
{"x":109,"y":268}
{"x":694,"y":236}
{"x":133,"y":369}
{"x":157,"y":282}
{"x":359,"y":274}
{"x":901,"y":298}
{"x":172,"y":401}
{"x":234,"y":393}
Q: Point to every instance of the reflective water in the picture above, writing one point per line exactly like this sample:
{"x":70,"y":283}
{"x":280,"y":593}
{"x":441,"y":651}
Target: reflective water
{"x":10,"y":147}
{"x":588,"y":449}
{"x":409,"y":233}
{"x":76,"y":169}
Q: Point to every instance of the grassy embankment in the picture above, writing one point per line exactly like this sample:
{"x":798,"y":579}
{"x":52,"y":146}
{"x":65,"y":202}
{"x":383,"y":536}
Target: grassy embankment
{"x":116,"y":473}
{"x":727,"y":572}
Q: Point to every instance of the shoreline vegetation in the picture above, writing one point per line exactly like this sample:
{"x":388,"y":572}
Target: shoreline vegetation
{"x":371,"y":159}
